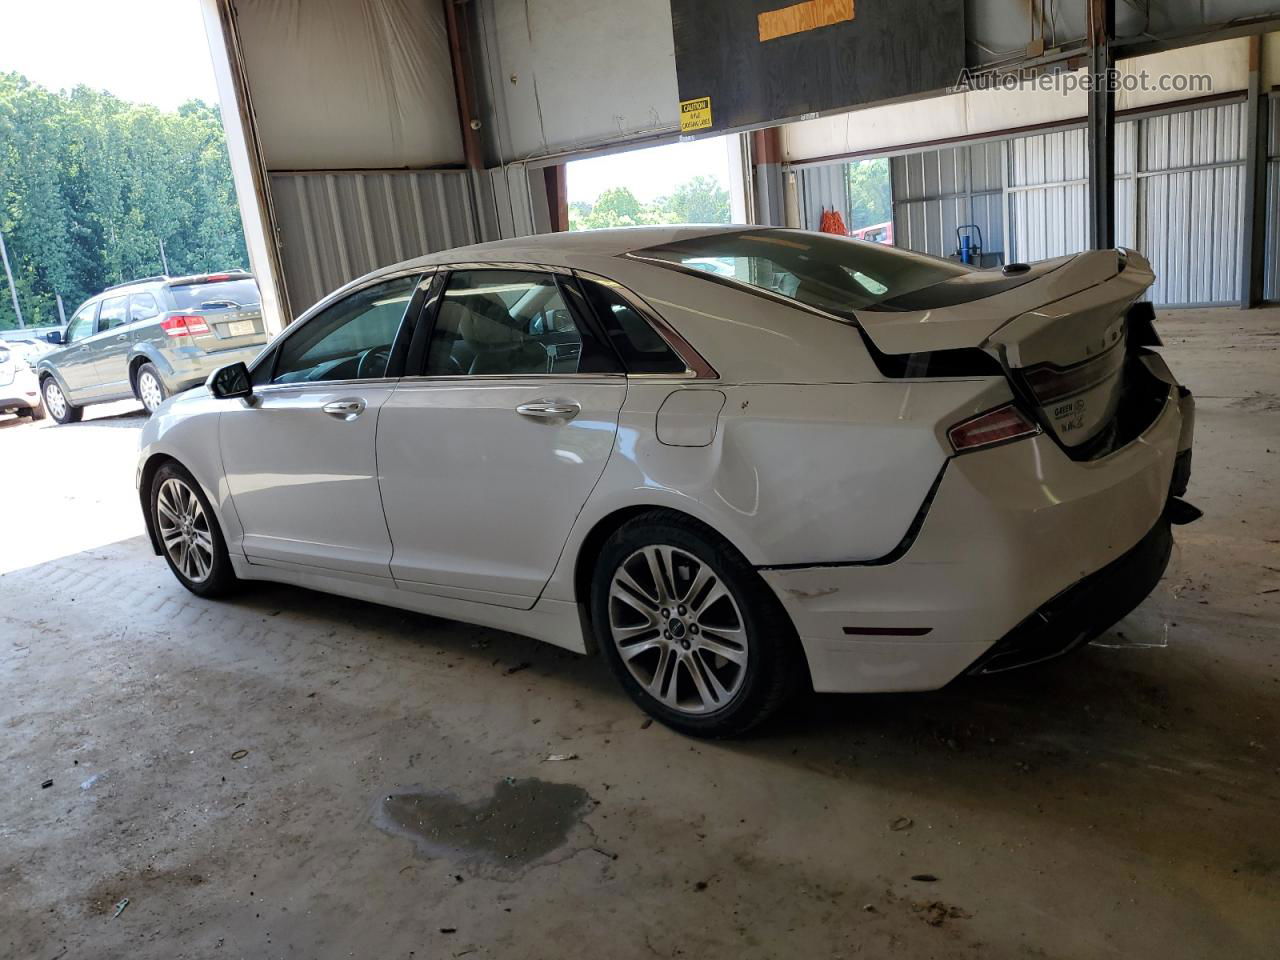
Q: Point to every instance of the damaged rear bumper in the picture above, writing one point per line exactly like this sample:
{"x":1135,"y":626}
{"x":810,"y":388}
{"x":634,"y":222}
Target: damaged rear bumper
{"x":1013,"y":532}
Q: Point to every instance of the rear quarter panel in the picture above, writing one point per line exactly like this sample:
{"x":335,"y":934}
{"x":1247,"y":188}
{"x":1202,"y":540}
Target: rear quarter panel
{"x":795,"y":473}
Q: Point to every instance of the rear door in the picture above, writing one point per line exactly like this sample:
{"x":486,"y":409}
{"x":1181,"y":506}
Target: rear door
{"x":108,"y":343}
{"x":487,"y":456}
{"x":300,"y":458}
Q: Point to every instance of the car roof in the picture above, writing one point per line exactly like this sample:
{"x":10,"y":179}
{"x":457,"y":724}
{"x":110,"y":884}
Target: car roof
{"x":564,"y":248}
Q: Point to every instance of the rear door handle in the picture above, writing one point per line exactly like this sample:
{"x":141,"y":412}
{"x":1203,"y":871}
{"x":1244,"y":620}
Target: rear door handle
{"x":549,"y":409}
{"x":344,"y":409}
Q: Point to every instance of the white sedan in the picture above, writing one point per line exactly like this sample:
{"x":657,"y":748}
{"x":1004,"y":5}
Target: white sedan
{"x":830,"y":463}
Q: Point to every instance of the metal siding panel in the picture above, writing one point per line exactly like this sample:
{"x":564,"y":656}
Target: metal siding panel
{"x":335,"y":227}
{"x":1272,"y":272}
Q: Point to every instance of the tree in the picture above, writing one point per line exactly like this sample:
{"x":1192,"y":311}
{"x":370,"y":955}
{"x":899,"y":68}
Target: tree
{"x":700,"y":200}
{"x":870,"y":196}
{"x":90,"y":185}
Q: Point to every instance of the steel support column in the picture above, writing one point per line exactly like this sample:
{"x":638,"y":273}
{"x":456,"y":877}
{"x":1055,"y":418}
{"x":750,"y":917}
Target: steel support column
{"x":1257,"y":124}
{"x":1102,"y":124}
{"x":766,"y":162}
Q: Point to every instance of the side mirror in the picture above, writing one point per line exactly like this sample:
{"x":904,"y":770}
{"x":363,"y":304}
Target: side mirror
{"x":231,"y":381}
{"x":55,"y":336}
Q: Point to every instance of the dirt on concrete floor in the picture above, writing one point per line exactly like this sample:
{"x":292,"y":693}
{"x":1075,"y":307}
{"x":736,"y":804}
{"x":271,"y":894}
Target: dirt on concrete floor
{"x":290,"y":774}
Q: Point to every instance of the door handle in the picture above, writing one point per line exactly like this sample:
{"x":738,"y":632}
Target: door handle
{"x":344,"y":409}
{"x":122,"y":336}
{"x":549,"y":409}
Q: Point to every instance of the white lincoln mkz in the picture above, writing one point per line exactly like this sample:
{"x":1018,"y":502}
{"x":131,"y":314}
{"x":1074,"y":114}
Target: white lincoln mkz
{"x":735,"y":460}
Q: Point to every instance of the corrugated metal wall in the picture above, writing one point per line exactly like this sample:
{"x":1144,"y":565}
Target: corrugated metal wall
{"x":1273,"y":202}
{"x":1190,"y":176}
{"x":936,"y":191}
{"x":1048,"y":195}
{"x":335,"y":227}
{"x":824,"y":188}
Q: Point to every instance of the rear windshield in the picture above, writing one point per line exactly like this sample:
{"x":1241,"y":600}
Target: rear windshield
{"x":832,"y":273}
{"x":225,"y":294}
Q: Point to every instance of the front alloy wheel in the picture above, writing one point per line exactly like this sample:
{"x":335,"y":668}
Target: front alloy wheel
{"x":692,"y":632}
{"x":58,"y":406}
{"x":188,"y":533}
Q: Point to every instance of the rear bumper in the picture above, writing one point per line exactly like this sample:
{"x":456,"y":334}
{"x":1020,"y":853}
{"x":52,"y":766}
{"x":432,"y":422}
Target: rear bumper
{"x":187,"y":367}
{"x":1084,"y":611}
{"x":1010,"y":529}
{"x":23,"y":391}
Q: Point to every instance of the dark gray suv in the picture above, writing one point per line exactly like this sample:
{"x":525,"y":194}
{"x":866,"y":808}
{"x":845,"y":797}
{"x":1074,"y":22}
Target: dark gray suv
{"x":149,"y":339}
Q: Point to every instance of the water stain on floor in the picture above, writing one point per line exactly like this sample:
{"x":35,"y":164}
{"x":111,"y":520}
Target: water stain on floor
{"x":523,"y":821}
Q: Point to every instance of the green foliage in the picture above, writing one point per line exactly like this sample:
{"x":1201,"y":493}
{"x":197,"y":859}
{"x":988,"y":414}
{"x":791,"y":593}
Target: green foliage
{"x":700,"y":200}
{"x":870,"y":196}
{"x":90,"y":185}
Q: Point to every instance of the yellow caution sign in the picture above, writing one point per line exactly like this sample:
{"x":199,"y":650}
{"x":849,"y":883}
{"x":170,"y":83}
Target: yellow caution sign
{"x":695,"y":114}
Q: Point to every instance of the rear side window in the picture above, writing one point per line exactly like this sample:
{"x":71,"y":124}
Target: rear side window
{"x":641,"y":346}
{"x":223,"y":295}
{"x":142,"y":306}
{"x":112,"y":313}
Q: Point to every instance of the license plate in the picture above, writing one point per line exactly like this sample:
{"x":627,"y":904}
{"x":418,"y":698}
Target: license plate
{"x":241,"y":328}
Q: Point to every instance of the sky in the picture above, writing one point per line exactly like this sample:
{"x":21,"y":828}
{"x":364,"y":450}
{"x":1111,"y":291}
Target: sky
{"x":650,"y":173}
{"x":145,"y":51}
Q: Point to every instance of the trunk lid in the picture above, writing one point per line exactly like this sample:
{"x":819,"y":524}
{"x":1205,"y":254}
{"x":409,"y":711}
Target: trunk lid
{"x":1060,"y":338}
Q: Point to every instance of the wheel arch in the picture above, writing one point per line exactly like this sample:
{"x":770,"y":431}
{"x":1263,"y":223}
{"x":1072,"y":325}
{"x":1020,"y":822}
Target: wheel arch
{"x":591,"y":545}
{"x":146,"y":477}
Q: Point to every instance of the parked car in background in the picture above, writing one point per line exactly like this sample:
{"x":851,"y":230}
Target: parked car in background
{"x":900,"y":471}
{"x":30,"y":335}
{"x":150,"y":339}
{"x":19,"y":389}
{"x":875,"y":233}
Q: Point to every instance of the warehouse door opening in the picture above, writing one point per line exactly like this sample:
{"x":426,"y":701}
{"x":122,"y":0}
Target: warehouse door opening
{"x":676,"y":183}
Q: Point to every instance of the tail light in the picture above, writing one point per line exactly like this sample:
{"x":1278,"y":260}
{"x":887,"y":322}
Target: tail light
{"x":995,"y":426}
{"x":183,"y":325}
{"x":1050,"y":383}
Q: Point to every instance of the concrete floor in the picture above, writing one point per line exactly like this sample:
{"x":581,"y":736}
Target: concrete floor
{"x":227,"y":766}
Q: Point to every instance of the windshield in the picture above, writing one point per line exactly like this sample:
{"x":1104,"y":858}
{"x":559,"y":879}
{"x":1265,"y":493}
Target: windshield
{"x":218,"y":296}
{"x":832,"y":273}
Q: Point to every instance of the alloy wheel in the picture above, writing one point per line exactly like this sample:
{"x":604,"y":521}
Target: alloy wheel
{"x":149,"y":390}
{"x":678,"y":629}
{"x":54,"y":399}
{"x":184,"y":530}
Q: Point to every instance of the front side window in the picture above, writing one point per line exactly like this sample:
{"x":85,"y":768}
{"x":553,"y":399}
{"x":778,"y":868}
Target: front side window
{"x":510,"y":322}
{"x":112,"y":314}
{"x":142,"y":306}
{"x":81,"y":324}
{"x":832,"y":273}
{"x":350,"y":339}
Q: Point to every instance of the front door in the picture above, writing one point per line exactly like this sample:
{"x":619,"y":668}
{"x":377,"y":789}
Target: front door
{"x":74,"y":362}
{"x":488,"y":457}
{"x":299,"y":456}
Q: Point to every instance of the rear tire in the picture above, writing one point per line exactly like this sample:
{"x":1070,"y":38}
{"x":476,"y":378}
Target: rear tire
{"x":189,"y":535}
{"x":149,"y":388}
{"x":702,"y":645}
{"x":60,"y":408}
{"x":35,"y":413}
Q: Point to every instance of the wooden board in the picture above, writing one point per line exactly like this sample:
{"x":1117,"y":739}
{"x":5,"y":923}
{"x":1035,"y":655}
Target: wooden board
{"x":759,"y":62}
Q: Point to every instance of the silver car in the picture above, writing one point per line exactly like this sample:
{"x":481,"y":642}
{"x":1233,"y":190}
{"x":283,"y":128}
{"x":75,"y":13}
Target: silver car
{"x":149,"y":339}
{"x":18,"y":390}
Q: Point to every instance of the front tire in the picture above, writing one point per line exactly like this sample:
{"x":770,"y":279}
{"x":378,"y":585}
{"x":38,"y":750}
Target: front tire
{"x":150,"y":388}
{"x":60,"y":408}
{"x":692,"y":633}
{"x":188,"y":531}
